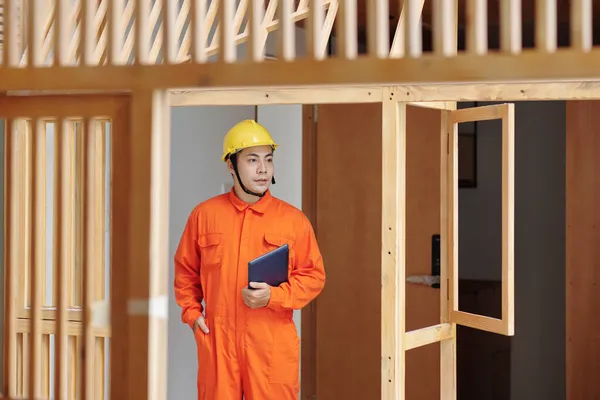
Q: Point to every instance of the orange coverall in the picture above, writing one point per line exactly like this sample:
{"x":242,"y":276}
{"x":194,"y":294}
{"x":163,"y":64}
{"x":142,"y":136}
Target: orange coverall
{"x":249,"y":351}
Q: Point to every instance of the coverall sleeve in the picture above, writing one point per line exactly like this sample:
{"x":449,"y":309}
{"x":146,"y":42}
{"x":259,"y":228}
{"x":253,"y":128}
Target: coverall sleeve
{"x":307,"y":277}
{"x":187,"y":286}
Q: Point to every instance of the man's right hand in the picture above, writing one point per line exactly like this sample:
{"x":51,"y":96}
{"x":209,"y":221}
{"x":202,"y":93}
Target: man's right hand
{"x":201,"y":323}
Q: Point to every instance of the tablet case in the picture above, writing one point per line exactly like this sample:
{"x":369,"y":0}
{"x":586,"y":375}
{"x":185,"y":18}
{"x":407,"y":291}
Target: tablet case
{"x":271,"y":267}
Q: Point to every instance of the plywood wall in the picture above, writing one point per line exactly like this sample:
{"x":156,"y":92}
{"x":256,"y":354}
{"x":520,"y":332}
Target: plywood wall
{"x":583,"y":249}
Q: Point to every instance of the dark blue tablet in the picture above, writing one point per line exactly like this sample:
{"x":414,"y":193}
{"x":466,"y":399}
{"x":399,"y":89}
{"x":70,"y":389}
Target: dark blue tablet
{"x":271,"y":267}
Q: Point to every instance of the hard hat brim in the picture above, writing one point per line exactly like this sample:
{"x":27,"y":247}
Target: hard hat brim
{"x":230,"y":152}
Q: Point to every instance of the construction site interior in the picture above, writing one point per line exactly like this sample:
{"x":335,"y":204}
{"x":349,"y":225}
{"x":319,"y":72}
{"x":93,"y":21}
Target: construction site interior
{"x":443,"y":150}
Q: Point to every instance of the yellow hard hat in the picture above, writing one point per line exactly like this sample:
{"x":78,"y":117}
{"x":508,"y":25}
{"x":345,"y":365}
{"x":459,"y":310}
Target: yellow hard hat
{"x":247,"y":133}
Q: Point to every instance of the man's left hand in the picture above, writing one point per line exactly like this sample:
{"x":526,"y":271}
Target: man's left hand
{"x":258,"y":296}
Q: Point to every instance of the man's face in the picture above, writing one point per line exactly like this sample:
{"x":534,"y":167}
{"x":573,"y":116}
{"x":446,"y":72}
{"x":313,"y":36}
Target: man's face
{"x":256,"y":168}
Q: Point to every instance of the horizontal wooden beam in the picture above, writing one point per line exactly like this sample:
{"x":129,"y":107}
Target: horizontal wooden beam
{"x":419,"y":95}
{"x":438,"y":105}
{"x":45,"y":106}
{"x":480,"y":322}
{"x":589,"y":90}
{"x":527,"y":67}
{"x":425,"y":336}
{"x":424,"y":95}
{"x":229,"y":97}
{"x":50,"y":314}
{"x":72,"y":328}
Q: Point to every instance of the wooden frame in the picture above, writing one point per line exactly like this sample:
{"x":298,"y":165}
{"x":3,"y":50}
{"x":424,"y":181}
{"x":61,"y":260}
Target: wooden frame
{"x":27,"y":330}
{"x":529,"y":67}
{"x":94,"y":52}
{"x":75,"y":205}
{"x":504,"y":112}
{"x":394,"y":343}
{"x":94,"y":49}
{"x":422,"y":95}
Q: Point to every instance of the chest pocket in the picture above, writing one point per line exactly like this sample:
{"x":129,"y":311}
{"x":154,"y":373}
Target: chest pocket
{"x":274,"y":240}
{"x":211,"y":250}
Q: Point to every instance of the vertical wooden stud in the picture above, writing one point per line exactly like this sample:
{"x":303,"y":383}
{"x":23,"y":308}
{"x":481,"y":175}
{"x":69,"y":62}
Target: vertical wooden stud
{"x":10,"y":46}
{"x":347,"y":30}
{"x":200,"y":29}
{"x":98,"y":267}
{"x":378,"y":28}
{"x":87,"y":246}
{"x":452,"y":215}
{"x":510,"y":26}
{"x":59,"y":254}
{"x":171,"y":33}
{"x":34,"y":36}
{"x":508,"y":219}
{"x":110,"y":32}
{"x":581,"y":24}
{"x":20,"y":364}
{"x":212,"y":15}
{"x":412,"y":23}
{"x":286,"y":46}
{"x":545,"y":25}
{"x":445,"y":16}
{"x":37,"y":250}
{"x":142,"y":32}
{"x":23,"y":295}
{"x":23,"y":130}
{"x":62,"y":31}
{"x":88,"y":33}
{"x":257,"y":30}
{"x":392,"y":252}
{"x":64,"y":239}
{"x":116,"y":31}
{"x":140,"y":261}
{"x":227,"y":48}
{"x":446,"y":44}
{"x":45,"y":366}
{"x":121,"y":234}
{"x":159,"y":244}
{"x":448,"y":346}
{"x":314,"y":29}
{"x":398,"y":43}
{"x":11,"y":208}
{"x":477,"y":35}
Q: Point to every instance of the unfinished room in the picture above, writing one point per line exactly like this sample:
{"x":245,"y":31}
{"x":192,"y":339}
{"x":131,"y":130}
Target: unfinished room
{"x":495,"y":205}
{"x":340,"y":333}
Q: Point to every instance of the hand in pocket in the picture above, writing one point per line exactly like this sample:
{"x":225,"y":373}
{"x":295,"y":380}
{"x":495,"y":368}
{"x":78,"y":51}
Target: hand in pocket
{"x":201,"y":323}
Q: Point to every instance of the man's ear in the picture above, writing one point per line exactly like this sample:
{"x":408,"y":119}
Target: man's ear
{"x":230,"y":170}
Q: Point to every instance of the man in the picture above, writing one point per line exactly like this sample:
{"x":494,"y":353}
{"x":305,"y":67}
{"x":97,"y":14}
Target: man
{"x":246,"y":338}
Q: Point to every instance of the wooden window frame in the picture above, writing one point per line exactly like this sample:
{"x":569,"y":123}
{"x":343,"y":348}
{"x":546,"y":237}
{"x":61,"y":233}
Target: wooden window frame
{"x":505,"y":113}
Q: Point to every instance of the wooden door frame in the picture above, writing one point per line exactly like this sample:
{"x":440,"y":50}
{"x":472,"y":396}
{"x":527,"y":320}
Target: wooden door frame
{"x":309,"y":207}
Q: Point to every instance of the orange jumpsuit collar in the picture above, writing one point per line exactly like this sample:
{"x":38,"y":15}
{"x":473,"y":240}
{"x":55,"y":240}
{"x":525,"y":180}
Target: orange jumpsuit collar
{"x":260,"y":206}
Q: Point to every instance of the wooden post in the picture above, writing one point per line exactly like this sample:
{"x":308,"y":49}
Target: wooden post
{"x":140,"y":248}
{"x":392,"y":251}
{"x":448,"y":346}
